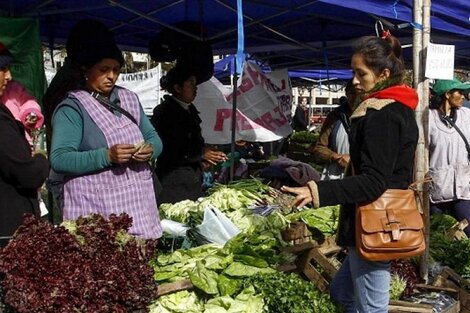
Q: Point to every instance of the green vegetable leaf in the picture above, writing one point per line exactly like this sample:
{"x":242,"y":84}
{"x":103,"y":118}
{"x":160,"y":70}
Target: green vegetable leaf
{"x":204,"y":279}
{"x":238,"y":269}
{"x":228,"y":285}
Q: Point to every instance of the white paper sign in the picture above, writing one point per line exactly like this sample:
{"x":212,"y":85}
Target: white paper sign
{"x":263,"y":107}
{"x":440,"y":61}
{"x":146,"y":85}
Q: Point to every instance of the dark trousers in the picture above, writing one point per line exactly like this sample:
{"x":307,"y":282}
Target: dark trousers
{"x":459,"y":209}
{"x":182,"y":183}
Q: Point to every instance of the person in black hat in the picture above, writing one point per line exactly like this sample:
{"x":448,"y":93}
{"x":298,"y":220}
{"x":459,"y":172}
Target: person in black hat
{"x":177,"y":121}
{"x":69,"y":76}
{"x":102,"y":143}
{"x":21,"y":174}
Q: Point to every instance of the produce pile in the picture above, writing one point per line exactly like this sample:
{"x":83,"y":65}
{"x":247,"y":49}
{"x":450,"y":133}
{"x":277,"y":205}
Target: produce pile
{"x":305,"y":137}
{"x":94,"y":265}
{"x":289,"y":293}
{"x":91,"y":265}
{"x":443,"y":248}
{"x":242,"y":275}
{"x":243,"y":202}
{"x":273,"y":292}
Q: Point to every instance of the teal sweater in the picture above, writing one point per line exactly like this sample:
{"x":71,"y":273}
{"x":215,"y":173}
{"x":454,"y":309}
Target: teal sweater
{"x":79,"y":146}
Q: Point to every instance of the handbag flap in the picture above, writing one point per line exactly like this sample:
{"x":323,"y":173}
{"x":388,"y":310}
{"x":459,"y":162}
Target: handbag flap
{"x":395,"y":206}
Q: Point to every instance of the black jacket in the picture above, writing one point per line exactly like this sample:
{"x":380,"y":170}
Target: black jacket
{"x":383,"y":144}
{"x":181,"y":136}
{"x":20,"y":175}
{"x":300,"y":119}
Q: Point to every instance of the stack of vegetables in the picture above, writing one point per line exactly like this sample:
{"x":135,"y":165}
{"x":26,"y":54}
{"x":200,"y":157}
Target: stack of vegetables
{"x":93,"y":264}
{"x":88,"y":265}
{"x":241,"y":276}
{"x":243,"y":202}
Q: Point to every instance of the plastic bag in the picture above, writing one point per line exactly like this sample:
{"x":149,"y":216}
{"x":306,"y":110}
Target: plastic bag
{"x":216,"y":227}
{"x":174,"y":228}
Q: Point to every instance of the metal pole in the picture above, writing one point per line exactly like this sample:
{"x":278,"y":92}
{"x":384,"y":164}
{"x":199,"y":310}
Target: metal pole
{"x":425,"y":122}
{"x":234,"y":120}
{"x":421,"y":11}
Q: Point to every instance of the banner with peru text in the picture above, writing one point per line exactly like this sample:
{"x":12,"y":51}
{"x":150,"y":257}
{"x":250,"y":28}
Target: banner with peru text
{"x":263,"y":107}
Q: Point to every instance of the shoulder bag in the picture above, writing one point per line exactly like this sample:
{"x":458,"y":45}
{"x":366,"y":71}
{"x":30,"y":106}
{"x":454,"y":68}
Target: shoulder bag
{"x":390,"y":227}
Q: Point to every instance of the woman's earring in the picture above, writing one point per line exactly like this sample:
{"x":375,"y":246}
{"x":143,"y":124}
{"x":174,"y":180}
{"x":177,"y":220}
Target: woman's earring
{"x":86,"y":77}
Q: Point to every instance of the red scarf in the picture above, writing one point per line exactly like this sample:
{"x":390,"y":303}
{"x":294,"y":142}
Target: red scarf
{"x":401,"y":93}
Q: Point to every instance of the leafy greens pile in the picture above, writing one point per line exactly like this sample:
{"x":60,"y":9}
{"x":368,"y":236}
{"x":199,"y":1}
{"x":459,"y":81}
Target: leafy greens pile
{"x":288,"y":293}
{"x":234,"y":200}
{"x":96,"y":267}
{"x":445,"y":249}
{"x":189,"y":302}
{"x":322,"y":222}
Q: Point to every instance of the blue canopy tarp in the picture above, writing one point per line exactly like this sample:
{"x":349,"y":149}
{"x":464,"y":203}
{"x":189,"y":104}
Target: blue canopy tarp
{"x":225,"y":67}
{"x":283,"y":33}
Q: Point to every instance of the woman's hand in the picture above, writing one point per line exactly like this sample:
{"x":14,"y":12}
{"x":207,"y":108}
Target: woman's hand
{"x":31,"y":120}
{"x":121,"y":153}
{"x":303,"y":195}
{"x":341,"y":159}
{"x":214,"y":156}
{"x":143,"y":153}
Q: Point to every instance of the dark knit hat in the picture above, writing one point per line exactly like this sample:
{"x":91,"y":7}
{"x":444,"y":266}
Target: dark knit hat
{"x":5,"y":56}
{"x":81,"y":33}
{"x":93,"y":51}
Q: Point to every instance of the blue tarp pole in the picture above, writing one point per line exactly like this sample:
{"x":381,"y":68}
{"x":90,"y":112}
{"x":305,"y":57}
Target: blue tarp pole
{"x":238,"y":64}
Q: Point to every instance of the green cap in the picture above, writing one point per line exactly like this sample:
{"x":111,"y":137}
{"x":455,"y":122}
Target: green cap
{"x":441,"y":86}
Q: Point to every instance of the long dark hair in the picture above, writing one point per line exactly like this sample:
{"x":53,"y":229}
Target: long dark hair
{"x":380,"y":54}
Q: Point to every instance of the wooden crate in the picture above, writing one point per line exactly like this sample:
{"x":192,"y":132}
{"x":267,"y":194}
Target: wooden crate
{"x":297,"y":233}
{"x":315,"y":261}
{"x":399,"y":306}
{"x":457,"y":230}
{"x":168,"y":288}
{"x":449,"y":278}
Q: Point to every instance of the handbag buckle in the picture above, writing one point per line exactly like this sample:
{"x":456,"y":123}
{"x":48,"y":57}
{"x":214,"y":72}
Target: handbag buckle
{"x":395,"y":229}
{"x":393,"y":224}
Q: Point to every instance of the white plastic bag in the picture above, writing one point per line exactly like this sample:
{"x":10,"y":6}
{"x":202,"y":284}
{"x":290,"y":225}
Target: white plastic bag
{"x":216,"y":227}
{"x":174,"y":228}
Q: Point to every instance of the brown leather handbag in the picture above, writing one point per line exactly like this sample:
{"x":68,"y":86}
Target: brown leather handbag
{"x":390,"y":227}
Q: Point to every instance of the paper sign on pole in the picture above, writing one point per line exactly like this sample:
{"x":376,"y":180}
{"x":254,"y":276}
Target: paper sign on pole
{"x":146,"y":85}
{"x":440,"y":61}
{"x":263,"y":107}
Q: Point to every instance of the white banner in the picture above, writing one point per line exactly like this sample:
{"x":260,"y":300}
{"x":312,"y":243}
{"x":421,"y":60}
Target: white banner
{"x":146,"y":85}
{"x":263,"y":107}
{"x":440,"y":61}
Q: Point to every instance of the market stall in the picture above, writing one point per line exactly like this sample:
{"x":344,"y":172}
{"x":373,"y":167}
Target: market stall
{"x":241,"y":247}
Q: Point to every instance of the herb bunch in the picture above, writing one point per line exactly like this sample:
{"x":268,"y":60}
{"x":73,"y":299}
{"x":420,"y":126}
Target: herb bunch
{"x":288,"y":293}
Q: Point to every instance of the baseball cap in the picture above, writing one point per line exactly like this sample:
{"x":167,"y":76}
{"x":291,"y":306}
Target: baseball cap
{"x":5,"y":56}
{"x":441,"y":86}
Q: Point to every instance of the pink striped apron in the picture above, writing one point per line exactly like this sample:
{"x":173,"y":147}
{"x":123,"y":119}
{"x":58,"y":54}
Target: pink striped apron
{"x":121,"y":188}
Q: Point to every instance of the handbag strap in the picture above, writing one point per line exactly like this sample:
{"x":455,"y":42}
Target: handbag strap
{"x":112,"y":106}
{"x":451,"y":122}
{"x":413,"y":186}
